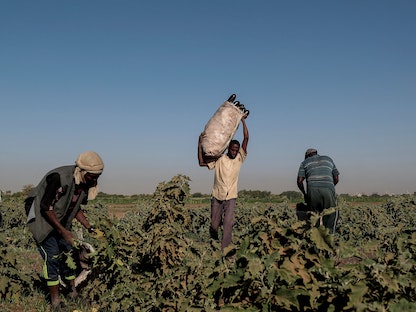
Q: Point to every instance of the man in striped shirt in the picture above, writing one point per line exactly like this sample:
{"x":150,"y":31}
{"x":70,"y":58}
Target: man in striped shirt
{"x":321,"y":176}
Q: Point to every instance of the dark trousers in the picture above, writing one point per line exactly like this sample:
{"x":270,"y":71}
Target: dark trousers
{"x":329,"y":221}
{"x":55,"y":251}
{"x":223,"y":210}
{"x":320,"y":199}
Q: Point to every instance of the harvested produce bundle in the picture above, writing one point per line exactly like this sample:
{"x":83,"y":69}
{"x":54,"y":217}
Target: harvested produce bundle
{"x":221,"y":127}
{"x":83,"y":263}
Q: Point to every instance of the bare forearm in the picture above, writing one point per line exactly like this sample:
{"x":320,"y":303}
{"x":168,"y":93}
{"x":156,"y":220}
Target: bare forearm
{"x":80,"y":216}
{"x":245,"y":129}
{"x":301,"y":188}
{"x":201,"y":159}
{"x":300,"y":184}
{"x":245,"y":135}
{"x":53,"y":220}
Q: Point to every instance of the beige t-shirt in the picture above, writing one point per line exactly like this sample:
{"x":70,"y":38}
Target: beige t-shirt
{"x":226,"y":175}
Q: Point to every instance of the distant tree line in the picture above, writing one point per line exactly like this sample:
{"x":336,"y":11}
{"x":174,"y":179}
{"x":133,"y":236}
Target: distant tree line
{"x":291,"y":196}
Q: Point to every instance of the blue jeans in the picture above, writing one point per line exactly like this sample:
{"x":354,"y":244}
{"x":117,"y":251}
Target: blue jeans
{"x":52,"y":250}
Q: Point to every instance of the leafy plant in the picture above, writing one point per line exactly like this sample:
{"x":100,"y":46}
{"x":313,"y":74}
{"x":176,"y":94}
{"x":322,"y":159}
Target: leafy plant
{"x":159,"y":256}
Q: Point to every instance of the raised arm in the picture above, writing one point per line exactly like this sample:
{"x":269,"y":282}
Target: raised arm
{"x":201,"y":159}
{"x":245,"y":134}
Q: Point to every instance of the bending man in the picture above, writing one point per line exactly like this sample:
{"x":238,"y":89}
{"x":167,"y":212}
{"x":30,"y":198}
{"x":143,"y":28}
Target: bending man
{"x":321,"y":176}
{"x":51,"y":206}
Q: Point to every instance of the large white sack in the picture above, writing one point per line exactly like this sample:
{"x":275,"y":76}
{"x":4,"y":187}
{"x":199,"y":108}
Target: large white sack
{"x":220,"y":129}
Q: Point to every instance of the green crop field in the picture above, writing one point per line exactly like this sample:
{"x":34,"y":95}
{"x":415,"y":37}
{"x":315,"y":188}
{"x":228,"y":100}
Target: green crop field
{"x":155,"y":254}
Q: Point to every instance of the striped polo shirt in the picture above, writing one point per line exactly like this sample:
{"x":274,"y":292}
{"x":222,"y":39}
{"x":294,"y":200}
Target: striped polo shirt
{"x":318,"y":171}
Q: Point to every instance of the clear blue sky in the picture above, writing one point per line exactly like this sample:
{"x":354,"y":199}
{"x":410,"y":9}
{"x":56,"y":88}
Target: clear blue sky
{"x":136,"y":81}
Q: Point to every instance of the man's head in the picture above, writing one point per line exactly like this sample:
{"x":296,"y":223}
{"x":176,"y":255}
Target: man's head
{"x":233,"y":149}
{"x":90,"y":162}
{"x":310,"y":152}
{"x":89,"y":167}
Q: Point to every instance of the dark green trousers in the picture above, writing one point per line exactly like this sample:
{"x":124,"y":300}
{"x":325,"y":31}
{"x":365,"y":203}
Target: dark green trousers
{"x":318,"y":200}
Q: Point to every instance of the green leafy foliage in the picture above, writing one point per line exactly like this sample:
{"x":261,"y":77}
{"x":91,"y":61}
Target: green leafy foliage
{"x":159,"y":257}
